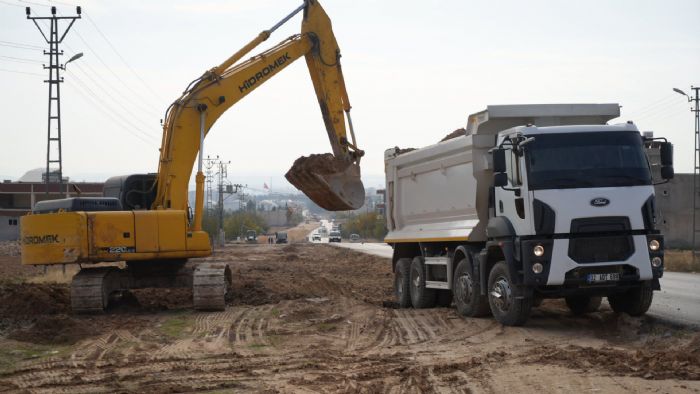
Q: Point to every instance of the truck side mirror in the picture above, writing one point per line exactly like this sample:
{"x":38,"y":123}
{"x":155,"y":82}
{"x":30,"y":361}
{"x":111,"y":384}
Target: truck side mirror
{"x":500,"y":179}
{"x":667,"y":172}
{"x":499,"y":160}
{"x":666,"y":153}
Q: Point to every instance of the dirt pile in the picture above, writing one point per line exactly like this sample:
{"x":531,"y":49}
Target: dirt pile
{"x":297,"y":271}
{"x":53,"y":330}
{"x":324,"y":163}
{"x":457,"y":133}
{"x":676,"y":362}
{"x":29,"y":300}
{"x":9,"y":248}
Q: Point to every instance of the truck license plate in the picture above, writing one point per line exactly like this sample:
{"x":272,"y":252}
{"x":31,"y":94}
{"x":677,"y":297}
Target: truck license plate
{"x":597,"y":278}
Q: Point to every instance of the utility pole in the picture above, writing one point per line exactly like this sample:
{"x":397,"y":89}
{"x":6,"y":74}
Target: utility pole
{"x":54,"y":81}
{"x":696,"y":163}
{"x":210,"y":164}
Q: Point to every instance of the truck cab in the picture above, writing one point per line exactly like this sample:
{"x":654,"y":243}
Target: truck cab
{"x":537,"y":201}
{"x":577,"y":203}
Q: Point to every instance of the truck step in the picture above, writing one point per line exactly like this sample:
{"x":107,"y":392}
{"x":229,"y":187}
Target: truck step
{"x":431,"y":284}
{"x":437,"y":261}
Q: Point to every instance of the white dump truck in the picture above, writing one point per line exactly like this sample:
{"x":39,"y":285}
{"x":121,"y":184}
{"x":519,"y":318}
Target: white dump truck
{"x":532,"y":202}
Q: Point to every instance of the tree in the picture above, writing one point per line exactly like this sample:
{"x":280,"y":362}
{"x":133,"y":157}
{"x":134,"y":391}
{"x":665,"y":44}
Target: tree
{"x":237,"y":223}
{"x":368,"y":225}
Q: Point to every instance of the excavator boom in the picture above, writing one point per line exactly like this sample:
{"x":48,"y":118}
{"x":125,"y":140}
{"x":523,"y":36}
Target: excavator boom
{"x":332,"y":181}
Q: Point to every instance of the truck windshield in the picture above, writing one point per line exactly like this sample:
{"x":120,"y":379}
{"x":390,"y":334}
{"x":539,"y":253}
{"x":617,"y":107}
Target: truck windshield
{"x":585,"y":160}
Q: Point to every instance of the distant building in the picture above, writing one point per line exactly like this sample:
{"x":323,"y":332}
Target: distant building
{"x":18,"y":198}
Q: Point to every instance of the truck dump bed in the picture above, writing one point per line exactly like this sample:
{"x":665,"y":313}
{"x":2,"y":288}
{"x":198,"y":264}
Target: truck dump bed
{"x":441,"y":192}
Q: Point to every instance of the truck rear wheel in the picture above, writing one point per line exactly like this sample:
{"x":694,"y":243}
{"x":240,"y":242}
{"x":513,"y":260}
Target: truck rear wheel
{"x":420,"y":296}
{"x":634,"y":302}
{"x":467,"y":292}
{"x":506,"y":308}
{"x":580,"y":305}
{"x":402,"y":282}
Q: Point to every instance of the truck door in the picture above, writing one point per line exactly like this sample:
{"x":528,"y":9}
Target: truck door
{"x":513,"y":201}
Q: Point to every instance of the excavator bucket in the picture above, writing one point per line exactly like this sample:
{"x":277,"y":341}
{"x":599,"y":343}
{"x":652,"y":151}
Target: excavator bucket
{"x":332,"y":183}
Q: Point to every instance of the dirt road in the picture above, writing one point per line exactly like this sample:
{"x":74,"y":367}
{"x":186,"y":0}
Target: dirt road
{"x":313,"y":318}
{"x":678,"y":302}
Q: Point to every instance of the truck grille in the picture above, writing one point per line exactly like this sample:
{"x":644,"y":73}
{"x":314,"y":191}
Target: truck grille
{"x":596,"y":240}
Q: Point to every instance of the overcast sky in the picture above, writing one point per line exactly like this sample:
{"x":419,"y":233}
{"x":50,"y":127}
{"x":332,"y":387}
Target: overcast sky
{"x":414,"y":70}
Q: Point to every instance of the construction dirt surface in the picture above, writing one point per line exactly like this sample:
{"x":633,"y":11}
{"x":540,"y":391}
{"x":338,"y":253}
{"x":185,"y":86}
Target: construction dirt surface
{"x":314,"y":318}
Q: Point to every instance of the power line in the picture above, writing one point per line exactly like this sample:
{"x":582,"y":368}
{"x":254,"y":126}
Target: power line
{"x":115,"y":101}
{"x":14,"y":5}
{"x":112,"y":71}
{"x":18,"y":47}
{"x":114,"y":49}
{"x":16,"y":60}
{"x":131,"y":100}
{"x":21,"y":72}
{"x":82,"y":89}
{"x":113,"y":113}
{"x":148,"y":87}
{"x":136,"y":95}
{"x":28,"y":46}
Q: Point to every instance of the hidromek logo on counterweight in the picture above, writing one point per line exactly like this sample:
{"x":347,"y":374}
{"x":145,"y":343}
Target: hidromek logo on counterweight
{"x":264,"y":72}
{"x":40,"y":239}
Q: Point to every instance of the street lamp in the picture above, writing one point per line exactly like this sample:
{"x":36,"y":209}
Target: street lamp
{"x":681,"y":92}
{"x":74,"y":57}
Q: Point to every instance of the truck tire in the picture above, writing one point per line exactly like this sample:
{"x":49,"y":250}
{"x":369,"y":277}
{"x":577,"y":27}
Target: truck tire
{"x":507,"y":309}
{"x":402,"y":282}
{"x":634,"y":302}
{"x":580,"y":305}
{"x":467,"y":292}
{"x":444,"y":298}
{"x":420,"y":296}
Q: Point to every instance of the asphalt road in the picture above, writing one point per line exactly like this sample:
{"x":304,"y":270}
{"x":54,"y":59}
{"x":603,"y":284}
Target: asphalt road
{"x":678,"y":301}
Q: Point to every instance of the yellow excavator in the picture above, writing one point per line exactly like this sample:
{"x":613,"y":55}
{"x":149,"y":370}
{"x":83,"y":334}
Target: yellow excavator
{"x":144,"y":220}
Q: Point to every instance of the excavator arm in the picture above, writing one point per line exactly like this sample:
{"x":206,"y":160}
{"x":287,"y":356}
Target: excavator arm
{"x":333,"y":182}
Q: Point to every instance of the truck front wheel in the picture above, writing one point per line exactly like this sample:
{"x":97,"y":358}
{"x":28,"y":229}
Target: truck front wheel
{"x":402,"y":282}
{"x":467,"y":293}
{"x":421,"y":297}
{"x":580,"y":305}
{"x":508,"y":309}
{"x":634,"y":302}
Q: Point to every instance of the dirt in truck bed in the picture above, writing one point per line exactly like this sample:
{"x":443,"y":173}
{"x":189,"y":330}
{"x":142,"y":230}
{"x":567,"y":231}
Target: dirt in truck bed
{"x":316,"y":318}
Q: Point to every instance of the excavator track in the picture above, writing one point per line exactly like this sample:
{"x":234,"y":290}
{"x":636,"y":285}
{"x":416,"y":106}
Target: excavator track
{"x":91,"y":288}
{"x":211,"y":286}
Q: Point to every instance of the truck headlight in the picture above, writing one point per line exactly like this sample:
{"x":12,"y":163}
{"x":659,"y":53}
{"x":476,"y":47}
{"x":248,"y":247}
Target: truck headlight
{"x":654,"y":245}
{"x":538,"y":250}
{"x":656,"y":262}
{"x":537,"y":268}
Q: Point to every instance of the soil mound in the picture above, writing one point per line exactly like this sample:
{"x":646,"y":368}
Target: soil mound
{"x":676,"y":362}
{"x":25,"y":300}
{"x":9,"y":248}
{"x":53,"y":330}
{"x":457,"y":133}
